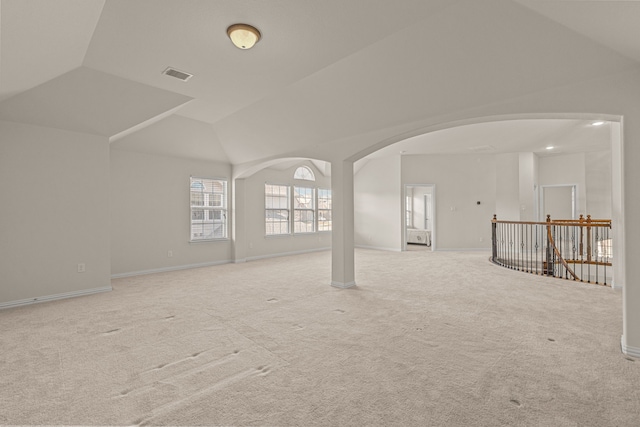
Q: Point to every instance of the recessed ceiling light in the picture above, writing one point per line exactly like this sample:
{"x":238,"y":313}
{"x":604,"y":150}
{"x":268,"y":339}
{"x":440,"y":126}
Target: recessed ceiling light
{"x":598,"y":123}
{"x":550,"y":147}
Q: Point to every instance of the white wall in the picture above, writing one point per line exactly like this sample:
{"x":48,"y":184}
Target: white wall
{"x":507,"y":187}
{"x":599,"y":185}
{"x":379,"y":204}
{"x":54,"y":188}
{"x":258,"y":245}
{"x":460,"y":182}
{"x":528,"y":177}
{"x":503,"y":183}
{"x":150,"y":213}
{"x":567,"y":169}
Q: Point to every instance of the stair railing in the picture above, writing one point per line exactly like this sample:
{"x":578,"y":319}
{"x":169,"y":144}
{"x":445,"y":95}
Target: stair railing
{"x":571,"y":249}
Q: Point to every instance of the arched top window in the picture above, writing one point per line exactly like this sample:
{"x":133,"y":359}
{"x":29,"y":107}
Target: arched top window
{"x":305,"y":173}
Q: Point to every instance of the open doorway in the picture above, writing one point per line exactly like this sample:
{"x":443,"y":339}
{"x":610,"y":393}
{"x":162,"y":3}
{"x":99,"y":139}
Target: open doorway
{"x":559,"y":201}
{"x":419,"y":218}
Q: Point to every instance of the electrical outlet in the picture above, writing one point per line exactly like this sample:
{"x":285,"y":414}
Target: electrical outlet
{"x":169,"y":254}
{"x":482,"y":239}
{"x":81,"y":268}
{"x":250,"y":245}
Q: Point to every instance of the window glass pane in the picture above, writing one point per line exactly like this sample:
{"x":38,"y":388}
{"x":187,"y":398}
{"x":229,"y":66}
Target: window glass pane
{"x":197,"y":199}
{"x":303,"y":198}
{"x":324,"y":209}
{"x":304,"y":210}
{"x":276,"y":203}
{"x":305,"y":173}
{"x":324,"y":220}
{"x":303,"y":221}
{"x":197,"y":214}
{"x":208,"y":208}
{"x":215,"y":200}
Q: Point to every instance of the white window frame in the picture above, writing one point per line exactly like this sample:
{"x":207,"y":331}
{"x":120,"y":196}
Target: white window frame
{"x":304,"y":173}
{"x":314,"y":207}
{"x":299,"y":211}
{"x":214,"y":214}
{"x":326,"y":224}
{"x":408,"y":215}
{"x":273,"y":213}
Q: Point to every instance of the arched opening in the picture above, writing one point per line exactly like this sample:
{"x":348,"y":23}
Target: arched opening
{"x":492,"y":165}
{"x":282,"y":207}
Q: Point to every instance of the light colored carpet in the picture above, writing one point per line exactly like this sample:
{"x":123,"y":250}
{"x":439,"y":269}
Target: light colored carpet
{"x":426,"y":339}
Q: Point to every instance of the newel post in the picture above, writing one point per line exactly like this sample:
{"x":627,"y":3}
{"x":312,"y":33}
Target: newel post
{"x":494,"y":240}
{"x":549,"y":267}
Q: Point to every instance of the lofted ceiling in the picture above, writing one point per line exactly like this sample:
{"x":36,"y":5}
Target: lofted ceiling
{"x":325,"y":71}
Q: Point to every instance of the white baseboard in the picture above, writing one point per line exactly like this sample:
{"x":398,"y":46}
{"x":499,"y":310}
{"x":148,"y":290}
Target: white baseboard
{"x":343,"y":285}
{"x":54,"y":297}
{"x":615,"y":285}
{"x":378,"y":248}
{"x":210,"y":264}
{"x":167,"y":269}
{"x":628,"y":350}
{"x":280,"y":254}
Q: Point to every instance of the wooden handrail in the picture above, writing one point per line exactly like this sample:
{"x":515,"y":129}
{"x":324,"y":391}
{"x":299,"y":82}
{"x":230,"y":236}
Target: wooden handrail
{"x":572,"y":222}
{"x":575,"y":249}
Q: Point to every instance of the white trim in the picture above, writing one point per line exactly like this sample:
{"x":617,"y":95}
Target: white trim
{"x":433,"y":215}
{"x":542,"y":215}
{"x":341,"y":285}
{"x":306,"y":251}
{"x":148,"y":122}
{"x":378,"y":248}
{"x":166,"y":269}
{"x":615,"y":285}
{"x":226,"y":209}
{"x":628,"y":350}
{"x":54,"y":297}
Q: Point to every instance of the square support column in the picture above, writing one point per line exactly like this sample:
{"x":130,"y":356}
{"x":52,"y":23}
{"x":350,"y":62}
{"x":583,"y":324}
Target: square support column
{"x":342,"y":235}
{"x":628,"y":155}
{"x":238,"y":209}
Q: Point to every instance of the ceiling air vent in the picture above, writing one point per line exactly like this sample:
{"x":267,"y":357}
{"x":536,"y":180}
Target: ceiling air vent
{"x":177,"y":74}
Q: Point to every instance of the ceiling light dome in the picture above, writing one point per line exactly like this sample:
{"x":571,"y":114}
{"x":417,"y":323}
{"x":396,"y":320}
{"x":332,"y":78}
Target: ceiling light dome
{"x":243,"y":36}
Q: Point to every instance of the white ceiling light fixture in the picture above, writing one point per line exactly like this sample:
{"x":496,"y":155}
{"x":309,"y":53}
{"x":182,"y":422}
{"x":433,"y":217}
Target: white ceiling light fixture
{"x":243,"y":36}
{"x":598,"y":123}
{"x":550,"y":147}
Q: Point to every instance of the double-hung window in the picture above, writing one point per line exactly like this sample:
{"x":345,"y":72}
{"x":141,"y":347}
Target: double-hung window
{"x":297,"y":209}
{"x":324,"y":209}
{"x":304,"y":220}
{"x":208,"y":209}
{"x":277,"y":204}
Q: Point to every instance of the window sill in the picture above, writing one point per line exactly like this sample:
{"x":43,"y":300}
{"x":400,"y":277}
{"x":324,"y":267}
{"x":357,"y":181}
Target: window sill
{"x":223,"y":239}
